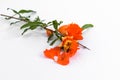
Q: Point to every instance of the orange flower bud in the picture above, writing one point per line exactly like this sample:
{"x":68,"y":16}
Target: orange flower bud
{"x":49,"y":32}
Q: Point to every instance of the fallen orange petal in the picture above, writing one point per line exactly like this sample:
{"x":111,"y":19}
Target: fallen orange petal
{"x":63,"y":59}
{"x":52,"y":52}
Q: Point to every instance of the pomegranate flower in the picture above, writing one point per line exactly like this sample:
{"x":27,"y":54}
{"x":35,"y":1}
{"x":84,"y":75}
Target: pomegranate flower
{"x":71,"y":30}
{"x":64,"y":51}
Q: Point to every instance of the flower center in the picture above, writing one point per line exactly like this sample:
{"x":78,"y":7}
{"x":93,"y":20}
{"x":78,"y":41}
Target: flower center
{"x":67,"y":45}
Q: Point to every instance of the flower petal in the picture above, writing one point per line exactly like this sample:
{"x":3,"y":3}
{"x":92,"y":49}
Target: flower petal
{"x":52,"y":52}
{"x":63,"y":59}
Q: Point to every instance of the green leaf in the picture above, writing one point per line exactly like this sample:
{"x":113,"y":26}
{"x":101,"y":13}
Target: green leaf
{"x":37,"y":19}
{"x":8,"y":18}
{"x":25,"y":18}
{"x":60,"y":22}
{"x":25,"y":31}
{"x":55,"y":24}
{"x":53,"y":41}
{"x":13,"y":10}
{"x":33,"y":27}
{"x":30,"y":24}
{"x":25,"y":25}
{"x":50,"y":37}
{"x":14,"y":22}
{"x":25,"y":11}
{"x":86,"y":26}
{"x":49,"y":23}
{"x":58,"y":35}
{"x":44,"y":25}
{"x":16,"y":12}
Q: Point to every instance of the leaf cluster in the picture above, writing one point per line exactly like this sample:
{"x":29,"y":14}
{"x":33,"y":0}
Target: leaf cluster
{"x":55,"y":34}
{"x":38,"y":23}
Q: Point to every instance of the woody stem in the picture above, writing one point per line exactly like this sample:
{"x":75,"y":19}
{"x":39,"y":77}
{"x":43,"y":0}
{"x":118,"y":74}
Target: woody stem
{"x":13,"y":17}
{"x":27,"y":21}
{"x":17,"y":19}
{"x":84,"y":46}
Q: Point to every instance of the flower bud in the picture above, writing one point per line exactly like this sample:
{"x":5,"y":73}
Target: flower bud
{"x":49,"y":32}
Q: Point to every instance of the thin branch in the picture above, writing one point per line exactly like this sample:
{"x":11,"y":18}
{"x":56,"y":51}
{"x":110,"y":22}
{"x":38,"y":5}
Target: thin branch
{"x":17,"y":19}
{"x":27,"y":21}
{"x":84,"y":46}
{"x":13,"y":17}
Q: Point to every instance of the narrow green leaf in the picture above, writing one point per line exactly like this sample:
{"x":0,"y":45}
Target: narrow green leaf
{"x":25,"y":11}
{"x":43,"y":25}
{"x":50,"y":37}
{"x":14,"y":22}
{"x":53,"y":41}
{"x":49,"y":24}
{"x":37,"y":19}
{"x":87,"y":26}
{"x":55,"y":24}
{"x":25,"y":31}
{"x":16,"y":12}
{"x":33,"y":27}
{"x":58,"y":35}
{"x":30,"y":24}
{"x":25,"y":18}
{"x":25,"y":25}
{"x":13,"y":10}
{"x":8,"y":18}
{"x":60,"y":22}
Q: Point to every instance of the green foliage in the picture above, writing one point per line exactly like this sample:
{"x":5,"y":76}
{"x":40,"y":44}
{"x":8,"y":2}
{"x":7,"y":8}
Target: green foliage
{"x":54,"y":41}
{"x":25,"y":31}
{"x":86,"y":26}
{"x":55,"y":24}
{"x":12,"y":10}
{"x":38,"y":23}
{"x":21,"y":11}
{"x":25,"y":11}
{"x":50,"y":37}
{"x":35,"y":23}
{"x":14,"y":22}
{"x":29,"y":24}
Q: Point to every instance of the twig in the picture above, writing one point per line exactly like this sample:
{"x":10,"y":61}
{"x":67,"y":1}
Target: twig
{"x":27,"y":21}
{"x":17,"y":19}
{"x":84,"y":46}
{"x":13,"y":17}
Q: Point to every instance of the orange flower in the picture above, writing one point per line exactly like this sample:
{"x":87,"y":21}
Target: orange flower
{"x":71,"y":30}
{"x":64,"y":51}
{"x":63,"y":30}
{"x":69,"y":45}
{"x":52,"y":52}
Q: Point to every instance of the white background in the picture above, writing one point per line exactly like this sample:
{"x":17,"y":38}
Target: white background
{"x":21,"y":57}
